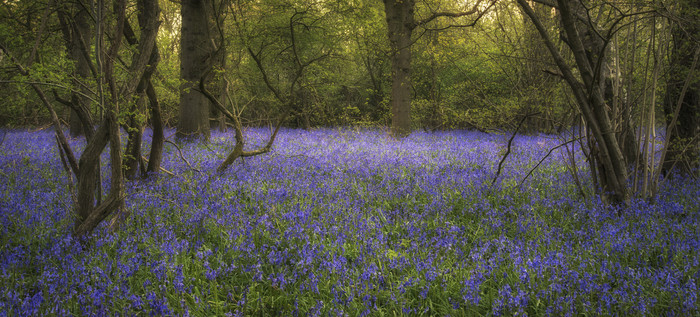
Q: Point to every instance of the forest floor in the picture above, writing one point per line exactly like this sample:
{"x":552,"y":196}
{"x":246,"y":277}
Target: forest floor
{"x":345,"y":222}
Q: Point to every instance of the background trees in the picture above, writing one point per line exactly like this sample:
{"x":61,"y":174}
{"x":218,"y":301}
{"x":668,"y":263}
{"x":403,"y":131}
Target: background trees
{"x":682,"y":102}
{"x":458,"y":81}
{"x":609,"y":68}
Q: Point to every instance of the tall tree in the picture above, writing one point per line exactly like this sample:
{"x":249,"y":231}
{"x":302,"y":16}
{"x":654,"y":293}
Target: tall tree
{"x":683,"y":89}
{"x":90,"y":209}
{"x":114,"y":87}
{"x":588,"y":88}
{"x":195,"y":52}
{"x":401,"y":24}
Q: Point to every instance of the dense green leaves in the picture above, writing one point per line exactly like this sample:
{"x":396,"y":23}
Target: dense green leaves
{"x":326,"y":60}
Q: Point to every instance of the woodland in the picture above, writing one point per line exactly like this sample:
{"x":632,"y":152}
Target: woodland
{"x":359,"y":157}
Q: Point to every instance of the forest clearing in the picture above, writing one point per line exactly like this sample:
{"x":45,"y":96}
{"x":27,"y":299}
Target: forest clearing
{"x":347,"y":222}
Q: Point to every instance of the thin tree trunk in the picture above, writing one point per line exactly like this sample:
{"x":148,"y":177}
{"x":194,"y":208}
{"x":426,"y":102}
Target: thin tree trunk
{"x":156,"y":156}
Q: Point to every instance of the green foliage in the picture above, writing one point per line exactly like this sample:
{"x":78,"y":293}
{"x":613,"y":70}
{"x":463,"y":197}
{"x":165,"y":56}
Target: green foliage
{"x":329,"y":62}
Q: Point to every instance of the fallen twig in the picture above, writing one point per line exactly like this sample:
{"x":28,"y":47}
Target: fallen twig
{"x":183,"y":156}
{"x":510,"y":142}
{"x":545,"y":157}
{"x":161,"y":168}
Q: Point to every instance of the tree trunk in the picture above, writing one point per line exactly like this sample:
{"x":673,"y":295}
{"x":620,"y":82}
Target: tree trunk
{"x":589,"y":95}
{"x":684,"y":144}
{"x":224,"y":96}
{"x":194,"y":51}
{"x":91,"y":213}
{"x":76,"y":29}
{"x":158,"y":138}
{"x":400,"y":22}
{"x":132,"y":154}
{"x":82,"y":72}
{"x":149,"y":12}
{"x":88,"y":174}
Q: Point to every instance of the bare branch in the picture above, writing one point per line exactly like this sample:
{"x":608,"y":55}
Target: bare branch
{"x":545,"y":157}
{"x":182,"y":156}
{"x":510,"y":142}
{"x":436,"y":15}
{"x":238,"y":148}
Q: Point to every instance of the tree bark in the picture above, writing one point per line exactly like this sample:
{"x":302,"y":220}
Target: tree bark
{"x":149,"y":12}
{"x":589,"y":94}
{"x":75,"y":26}
{"x":194,"y":51}
{"x":400,"y":22}
{"x":156,"y":156}
{"x":685,"y":143}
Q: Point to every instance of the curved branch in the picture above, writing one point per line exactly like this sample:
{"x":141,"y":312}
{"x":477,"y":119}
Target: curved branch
{"x":182,"y":156}
{"x":436,"y":15}
{"x":240,"y":142}
{"x":510,"y":142}
{"x":545,"y":157}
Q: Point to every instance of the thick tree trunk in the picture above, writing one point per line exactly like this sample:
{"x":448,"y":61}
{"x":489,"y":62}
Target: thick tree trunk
{"x":194,"y":51}
{"x":400,"y":22}
{"x":683,"y":152}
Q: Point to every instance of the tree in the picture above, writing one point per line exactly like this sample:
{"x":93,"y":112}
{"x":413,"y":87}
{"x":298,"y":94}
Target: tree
{"x":401,"y":24}
{"x":75,"y":27}
{"x":608,"y":165}
{"x":195,"y":54}
{"x":113,"y":89}
{"x":145,"y":62}
{"x":682,"y":101}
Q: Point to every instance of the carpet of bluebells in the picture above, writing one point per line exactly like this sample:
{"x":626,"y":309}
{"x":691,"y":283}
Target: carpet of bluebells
{"x":343,"y":222}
